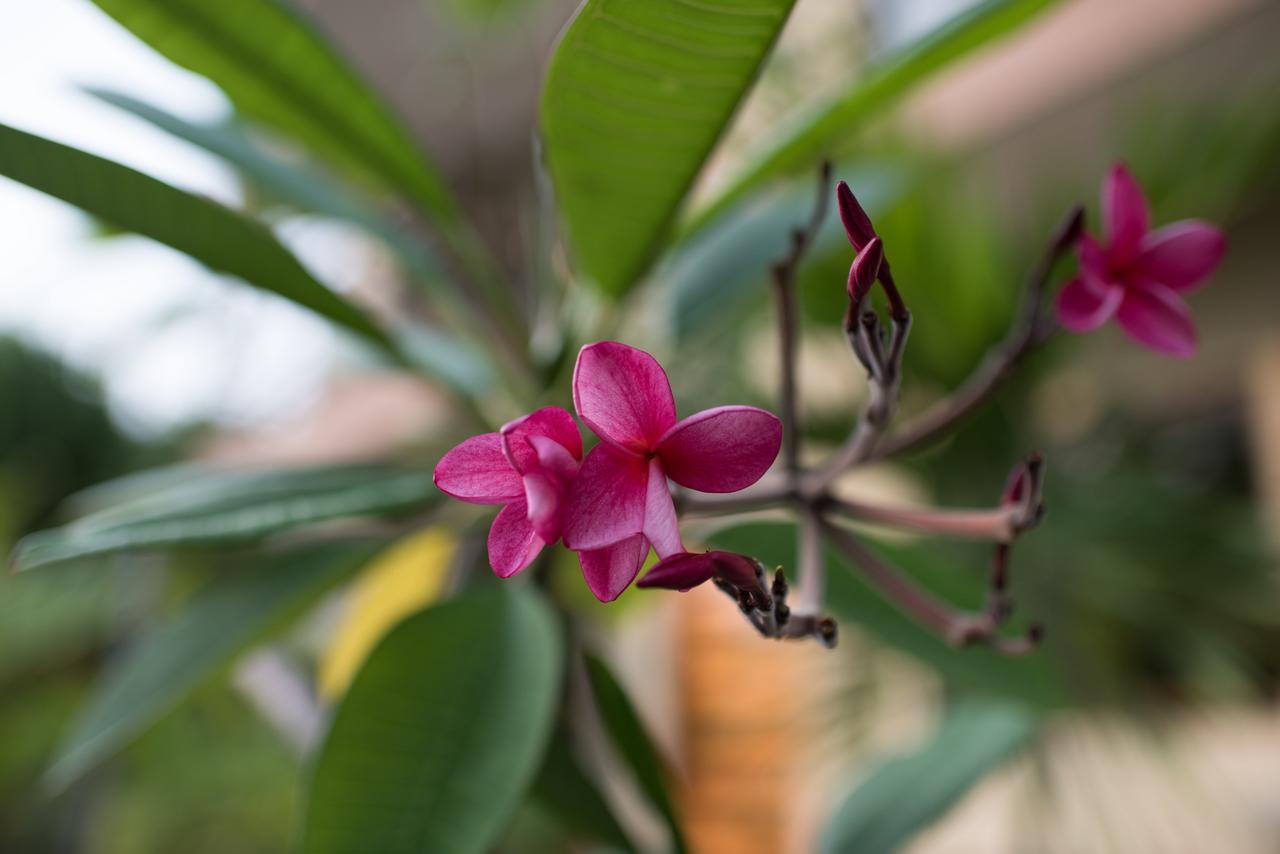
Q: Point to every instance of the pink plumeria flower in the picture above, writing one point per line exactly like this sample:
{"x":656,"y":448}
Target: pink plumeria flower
{"x":620,"y":503}
{"x":1138,"y":275}
{"x":528,"y":466}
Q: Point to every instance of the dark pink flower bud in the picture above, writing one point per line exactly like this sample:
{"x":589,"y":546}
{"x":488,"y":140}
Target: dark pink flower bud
{"x":856,"y":222}
{"x":687,"y":570}
{"x":865,"y":269}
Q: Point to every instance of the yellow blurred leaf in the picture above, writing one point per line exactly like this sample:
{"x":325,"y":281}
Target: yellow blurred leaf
{"x":402,"y":581}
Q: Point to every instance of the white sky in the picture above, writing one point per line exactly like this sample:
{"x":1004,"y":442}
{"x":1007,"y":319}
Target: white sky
{"x":172,"y":342}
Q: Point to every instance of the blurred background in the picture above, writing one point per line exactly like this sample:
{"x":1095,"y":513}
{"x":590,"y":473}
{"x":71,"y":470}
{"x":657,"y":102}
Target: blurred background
{"x":1155,"y":569}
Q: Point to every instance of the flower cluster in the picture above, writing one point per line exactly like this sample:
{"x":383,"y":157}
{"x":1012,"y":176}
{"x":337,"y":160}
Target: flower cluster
{"x":613,"y":505}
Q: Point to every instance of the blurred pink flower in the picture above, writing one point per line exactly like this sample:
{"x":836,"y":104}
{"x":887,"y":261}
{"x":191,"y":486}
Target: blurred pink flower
{"x":528,"y":466}
{"x":1138,"y":275}
{"x":686,"y":570}
{"x":620,"y":502}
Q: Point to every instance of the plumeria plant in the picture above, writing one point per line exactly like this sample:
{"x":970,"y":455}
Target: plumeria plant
{"x":482,"y":696}
{"x":619,"y":502}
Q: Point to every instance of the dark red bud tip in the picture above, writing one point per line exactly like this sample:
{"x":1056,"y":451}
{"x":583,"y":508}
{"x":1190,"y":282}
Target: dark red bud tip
{"x":864,"y":270}
{"x":1016,"y":486}
{"x":857,"y":225}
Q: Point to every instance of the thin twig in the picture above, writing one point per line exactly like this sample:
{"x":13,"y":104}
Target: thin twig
{"x":784,"y":285}
{"x":1028,"y":331}
{"x":988,"y":524}
{"x":810,"y":571}
{"x":883,"y":382}
{"x":958,"y":628}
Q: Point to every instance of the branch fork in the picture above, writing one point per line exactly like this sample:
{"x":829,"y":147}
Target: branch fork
{"x":879,"y":347}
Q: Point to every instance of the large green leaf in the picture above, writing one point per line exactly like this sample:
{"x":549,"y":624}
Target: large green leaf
{"x":635,"y":99}
{"x":169,"y":662}
{"x":636,"y":748}
{"x":277,"y":69}
{"x":563,"y":788}
{"x":217,"y":237}
{"x":1029,"y":678}
{"x":441,"y":733}
{"x":210,"y":507}
{"x":816,"y":130}
{"x":909,"y":792}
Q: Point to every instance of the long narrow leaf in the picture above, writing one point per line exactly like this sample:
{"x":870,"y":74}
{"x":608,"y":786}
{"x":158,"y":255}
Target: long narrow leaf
{"x":635,"y":99}
{"x":454,"y":360}
{"x":226,"y":507}
{"x":440,"y":735}
{"x":909,"y":792}
{"x":169,"y":662}
{"x":637,"y":749}
{"x":219,"y":238}
{"x":804,"y":139}
{"x":278,"y":70}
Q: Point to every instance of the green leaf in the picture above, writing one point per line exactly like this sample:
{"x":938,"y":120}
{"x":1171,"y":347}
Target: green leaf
{"x":298,"y":184}
{"x":909,"y":792}
{"x":635,"y":99}
{"x":802,"y":140}
{"x":440,"y":735}
{"x":456,"y":361}
{"x":219,"y":238}
{"x":637,"y":749}
{"x":565,"y":790}
{"x":1030,"y":678}
{"x":169,"y":662}
{"x":278,"y":70}
{"x":212,"y":507}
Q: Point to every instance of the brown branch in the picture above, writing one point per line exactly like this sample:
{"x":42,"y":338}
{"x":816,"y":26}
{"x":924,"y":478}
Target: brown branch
{"x":1028,"y":331}
{"x":784,"y":274}
{"x":958,"y":628}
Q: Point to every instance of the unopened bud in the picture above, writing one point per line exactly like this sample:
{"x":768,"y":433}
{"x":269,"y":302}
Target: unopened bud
{"x":857,"y":225}
{"x":865,"y":269}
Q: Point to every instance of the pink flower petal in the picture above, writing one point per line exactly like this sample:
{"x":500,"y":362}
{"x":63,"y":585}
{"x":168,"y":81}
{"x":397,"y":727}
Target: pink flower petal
{"x":477,"y":472}
{"x":554,"y":459}
{"x":1124,"y":212}
{"x":545,"y":499}
{"x":660,"y":524}
{"x":1157,"y":318}
{"x":607,"y":500}
{"x":610,"y":570}
{"x":1083,"y":306}
{"x":623,"y":395}
{"x":550,"y":421}
{"x":721,"y":450}
{"x":513,"y":544}
{"x":1181,"y":255}
{"x":1093,"y":261}
{"x":680,"y":571}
